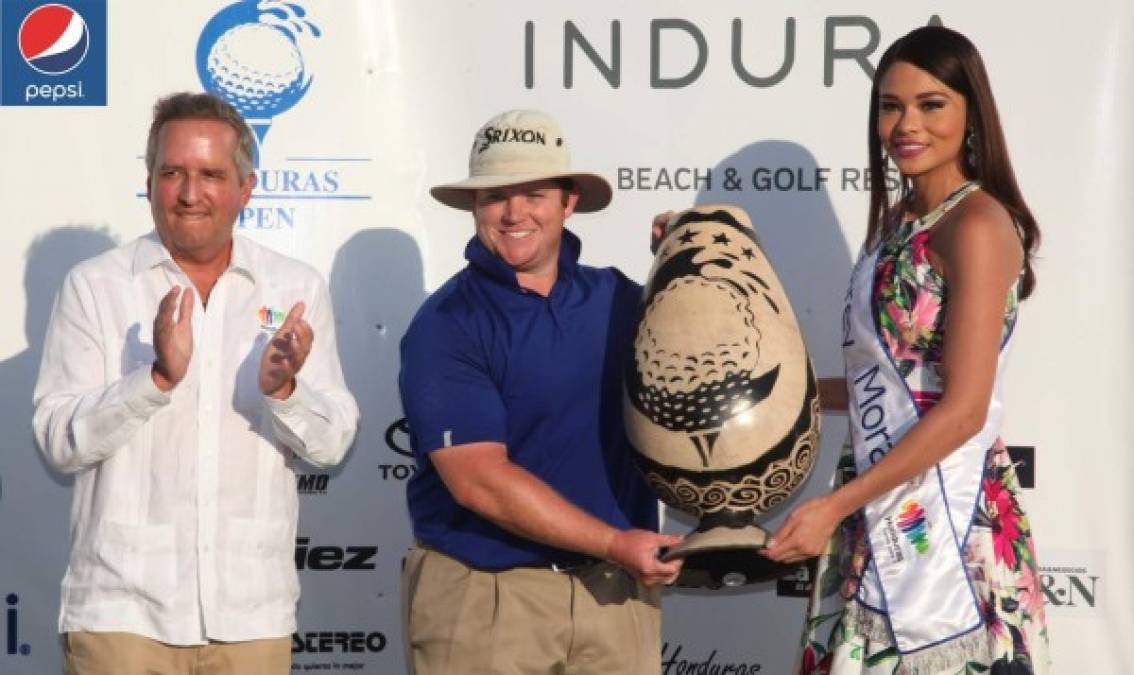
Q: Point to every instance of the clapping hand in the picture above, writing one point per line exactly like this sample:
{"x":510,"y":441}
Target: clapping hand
{"x":173,"y":339}
{"x":285,"y":353}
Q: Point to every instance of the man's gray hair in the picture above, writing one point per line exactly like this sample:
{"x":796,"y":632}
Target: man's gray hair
{"x":201,"y":106}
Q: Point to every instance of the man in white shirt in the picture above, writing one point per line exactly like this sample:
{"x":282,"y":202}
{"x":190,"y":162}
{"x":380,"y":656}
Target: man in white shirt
{"x":183,"y":376}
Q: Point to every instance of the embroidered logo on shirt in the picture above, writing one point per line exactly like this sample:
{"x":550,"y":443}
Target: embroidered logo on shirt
{"x":270,"y":319}
{"x":912,"y":522}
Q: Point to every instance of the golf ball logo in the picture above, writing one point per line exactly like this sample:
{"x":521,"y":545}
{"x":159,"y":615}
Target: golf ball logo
{"x":54,"y":39}
{"x":257,"y":68}
{"x":249,"y":54}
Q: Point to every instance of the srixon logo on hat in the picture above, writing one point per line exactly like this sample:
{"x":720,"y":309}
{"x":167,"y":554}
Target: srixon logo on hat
{"x":494,"y":135}
{"x":516,"y":147}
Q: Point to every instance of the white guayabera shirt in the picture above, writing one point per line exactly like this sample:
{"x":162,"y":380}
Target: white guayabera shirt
{"x":185,"y":505}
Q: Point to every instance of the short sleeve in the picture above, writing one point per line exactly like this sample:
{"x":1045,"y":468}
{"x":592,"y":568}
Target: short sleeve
{"x":448,"y":394}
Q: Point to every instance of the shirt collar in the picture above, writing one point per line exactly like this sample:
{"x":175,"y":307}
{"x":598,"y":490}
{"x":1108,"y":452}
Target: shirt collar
{"x":244,"y":258}
{"x":151,"y":253}
{"x":489,"y":264}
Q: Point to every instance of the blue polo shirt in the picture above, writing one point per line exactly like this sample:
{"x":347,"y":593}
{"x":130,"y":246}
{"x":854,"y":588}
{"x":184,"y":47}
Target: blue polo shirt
{"x":486,"y":360}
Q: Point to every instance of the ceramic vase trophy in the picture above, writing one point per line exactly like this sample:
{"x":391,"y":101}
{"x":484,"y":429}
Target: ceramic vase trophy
{"x":721,"y":402}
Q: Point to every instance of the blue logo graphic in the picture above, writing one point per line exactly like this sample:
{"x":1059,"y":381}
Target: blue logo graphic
{"x":249,"y":55}
{"x":53,"y":54}
{"x":253,"y":54}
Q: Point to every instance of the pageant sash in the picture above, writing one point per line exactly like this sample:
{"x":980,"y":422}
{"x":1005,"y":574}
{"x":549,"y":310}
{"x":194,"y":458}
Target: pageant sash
{"x":916,"y":531}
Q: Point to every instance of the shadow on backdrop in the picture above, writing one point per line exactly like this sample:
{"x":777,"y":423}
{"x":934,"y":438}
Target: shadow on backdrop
{"x":35,"y":501}
{"x":801,"y":236}
{"x":377,"y":284}
{"x":796,"y":225}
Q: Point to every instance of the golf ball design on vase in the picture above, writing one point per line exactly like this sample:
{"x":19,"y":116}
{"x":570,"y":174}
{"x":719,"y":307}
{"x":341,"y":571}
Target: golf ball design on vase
{"x":721,"y":401}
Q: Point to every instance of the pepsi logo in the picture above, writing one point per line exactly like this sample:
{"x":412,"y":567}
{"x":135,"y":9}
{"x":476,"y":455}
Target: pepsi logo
{"x":53,"y":39}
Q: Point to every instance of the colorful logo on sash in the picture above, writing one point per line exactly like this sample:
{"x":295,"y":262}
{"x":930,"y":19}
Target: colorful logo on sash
{"x":912,"y":523}
{"x":270,"y":319}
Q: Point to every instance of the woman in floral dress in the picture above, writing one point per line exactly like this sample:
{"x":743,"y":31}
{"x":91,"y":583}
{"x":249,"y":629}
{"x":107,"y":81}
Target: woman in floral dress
{"x":927,"y":563}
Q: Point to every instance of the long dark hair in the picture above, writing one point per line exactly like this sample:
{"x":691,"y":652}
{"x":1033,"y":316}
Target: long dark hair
{"x":951,"y":58}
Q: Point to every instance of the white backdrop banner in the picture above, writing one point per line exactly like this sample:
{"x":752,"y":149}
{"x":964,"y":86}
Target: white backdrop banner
{"x":361,"y":105}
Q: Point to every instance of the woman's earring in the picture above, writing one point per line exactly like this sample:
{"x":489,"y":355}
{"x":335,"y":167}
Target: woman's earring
{"x":970,"y":148}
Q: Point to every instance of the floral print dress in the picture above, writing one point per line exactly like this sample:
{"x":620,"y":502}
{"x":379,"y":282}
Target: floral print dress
{"x":910,"y":300}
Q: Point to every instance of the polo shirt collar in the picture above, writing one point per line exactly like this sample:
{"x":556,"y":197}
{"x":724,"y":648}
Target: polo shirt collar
{"x":151,"y":253}
{"x":492,"y":266}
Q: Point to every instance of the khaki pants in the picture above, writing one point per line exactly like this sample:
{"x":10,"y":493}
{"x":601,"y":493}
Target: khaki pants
{"x":529,"y":621}
{"x":87,"y":653}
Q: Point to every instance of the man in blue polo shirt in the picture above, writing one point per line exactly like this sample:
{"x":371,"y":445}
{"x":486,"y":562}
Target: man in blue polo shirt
{"x":537,"y":543}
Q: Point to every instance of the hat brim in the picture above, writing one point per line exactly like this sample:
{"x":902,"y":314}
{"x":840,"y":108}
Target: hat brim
{"x":594,"y":192}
